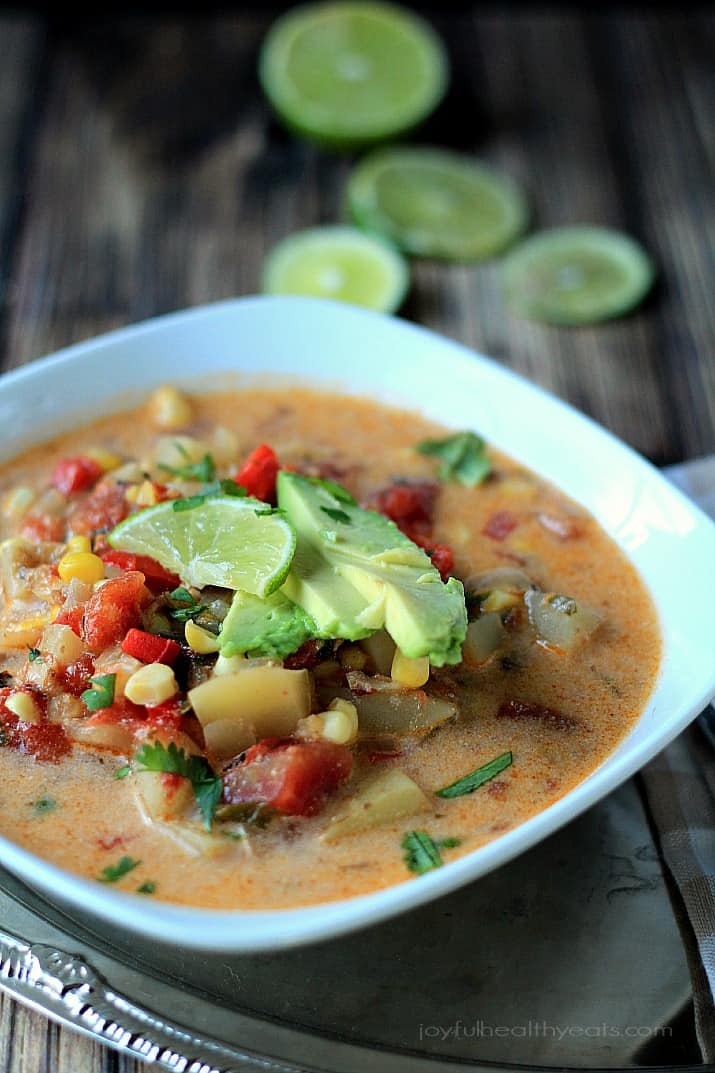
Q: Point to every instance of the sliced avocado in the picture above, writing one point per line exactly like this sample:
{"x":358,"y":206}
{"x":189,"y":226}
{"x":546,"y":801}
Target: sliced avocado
{"x":398,"y":586}
{"x":271,"y":626}
{"x":336,"y":608}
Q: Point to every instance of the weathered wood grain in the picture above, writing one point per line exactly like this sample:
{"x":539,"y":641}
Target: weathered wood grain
{"x":141,"y":171}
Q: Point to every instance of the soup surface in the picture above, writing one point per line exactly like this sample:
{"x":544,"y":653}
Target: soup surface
{"x":267,"y":794}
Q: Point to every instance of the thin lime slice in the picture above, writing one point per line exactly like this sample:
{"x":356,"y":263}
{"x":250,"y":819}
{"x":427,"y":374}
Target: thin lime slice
{"x":347,"y":74}
{"x":433,"y":203}
{"x":341,"y":263}
{"x":225,"y":541}
{"x":577,"y":275}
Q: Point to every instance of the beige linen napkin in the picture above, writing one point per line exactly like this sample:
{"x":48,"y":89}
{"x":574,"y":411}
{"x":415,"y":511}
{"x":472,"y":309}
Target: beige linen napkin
{"x":680,"y":793}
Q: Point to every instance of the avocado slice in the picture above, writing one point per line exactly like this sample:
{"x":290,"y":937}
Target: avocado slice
{"x":271,"y":626}
{"x":336,"y":607}
{"x":395,"y":581}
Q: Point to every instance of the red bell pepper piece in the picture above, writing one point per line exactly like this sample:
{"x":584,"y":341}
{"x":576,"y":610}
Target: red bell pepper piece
{"x":72,"y":475}
{"x":149,"y":648}
{"x":258,"y":474}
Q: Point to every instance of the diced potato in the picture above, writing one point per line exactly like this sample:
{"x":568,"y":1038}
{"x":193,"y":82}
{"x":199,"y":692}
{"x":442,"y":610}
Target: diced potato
{"x":484,"y":636}
{"x":161,"y":796}
{"x":412,"y":673}
{"x":380,"y":650}
{"x":118,"y":737}
{"x":62,"y":643}
{"x":170,"y":408}
{"x":392,"y":795}
{"x":228,"y":737}
{"x":267,"y":698}
{"x":128,"y":473}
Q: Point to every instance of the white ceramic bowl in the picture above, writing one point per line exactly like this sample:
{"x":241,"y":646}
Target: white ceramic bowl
{"x":669,"y":540}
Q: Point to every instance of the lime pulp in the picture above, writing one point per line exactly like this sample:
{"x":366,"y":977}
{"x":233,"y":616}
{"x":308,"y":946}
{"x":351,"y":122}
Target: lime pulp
{"x":435,"y":203}
{"x":577,"y":275}
{"x":347,"y":74}
{"x":225,"y":540}
{"x":340,"y":263}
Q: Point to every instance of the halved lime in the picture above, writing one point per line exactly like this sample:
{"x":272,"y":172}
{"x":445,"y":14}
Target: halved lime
{"x":225,"y":540}
{"x":347,"y":74}
{"x":338,"y":262}
{"x":577,"y":275}
{"x":434,"y":203}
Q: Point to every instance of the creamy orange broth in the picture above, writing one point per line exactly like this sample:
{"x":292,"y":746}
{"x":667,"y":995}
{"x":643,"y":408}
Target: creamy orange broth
{"x":601,"y":687}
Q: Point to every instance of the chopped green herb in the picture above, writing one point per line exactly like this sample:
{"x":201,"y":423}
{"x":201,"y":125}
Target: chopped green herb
{"x":115,"y":872}
{"x":206,"y":784}
{"x":3,"y":736}
{"x":474,"y":601}
{"x":269,"y":510}
{"x":336,"y":490}
{"x":225,"y":487}
{"x":188,"y":607}
{"x":187,"y":503}
{"x":147,"y":888}
{"x":102,"y":693}
{"x":204,"y":470}
{"x":336,"y":515}
{"x":34,"y":654}
{"x":422,"y":852}
{"x":255,"y":813}
{"x":462,"y":457}
{"x":122,"y":772}
{"x":43,"y":805}
{"x":469,"y":783}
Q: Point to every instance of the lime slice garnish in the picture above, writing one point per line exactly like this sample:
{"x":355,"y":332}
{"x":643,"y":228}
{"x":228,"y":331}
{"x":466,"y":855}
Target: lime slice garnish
{"x":577,"y":275}
{"x":341,"y":263}
{"x":227,"y":541}
{"x":347,"y":74}
{"x":434,"y":203}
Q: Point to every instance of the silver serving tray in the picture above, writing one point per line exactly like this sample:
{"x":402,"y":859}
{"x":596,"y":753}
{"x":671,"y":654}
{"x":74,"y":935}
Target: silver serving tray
{"x":567,"y":957}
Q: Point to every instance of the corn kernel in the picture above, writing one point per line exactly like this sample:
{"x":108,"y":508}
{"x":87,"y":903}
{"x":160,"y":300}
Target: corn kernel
{"x":412,"y":673}
{"x":152,"y":684}
{"x":81,"y":564}
{"x":229,"y":664}
{"x":170,"y":409}
{"x":500,"y":600}
{"x":146,"y":495}
{"x":17,"y":502}
{"x":24,"y":707}
{"x":79,"y":543}
{"x":340,"y":722}
{"x":106,"y":459}
{"x":200,"y":640}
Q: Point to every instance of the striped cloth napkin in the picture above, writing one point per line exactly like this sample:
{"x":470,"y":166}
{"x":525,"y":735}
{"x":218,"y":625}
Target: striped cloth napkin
{"x":680,"y":791}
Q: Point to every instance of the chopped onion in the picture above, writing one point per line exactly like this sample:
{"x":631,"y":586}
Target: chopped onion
{"x":560,"y":620}
{"x":400,"y":713}
{"x":484,"y":636}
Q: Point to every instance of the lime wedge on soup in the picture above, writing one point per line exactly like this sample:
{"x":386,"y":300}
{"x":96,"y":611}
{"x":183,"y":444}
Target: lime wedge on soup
{"x":224,"y":540}
{"x":340,"y":263}
{"x":435,"y":203}
{"x":577,"y":275}
{"x":347,"y":74}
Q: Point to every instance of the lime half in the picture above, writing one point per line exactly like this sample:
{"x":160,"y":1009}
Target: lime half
{"x":341,"y":263}
{"x":577,"y":275}
{"x":225,"y":541}
{"x":346,"y":74}
{"x":433,"y":203}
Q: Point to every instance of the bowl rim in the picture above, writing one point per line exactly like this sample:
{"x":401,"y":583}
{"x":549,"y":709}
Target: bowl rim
{"x":242,"y":930}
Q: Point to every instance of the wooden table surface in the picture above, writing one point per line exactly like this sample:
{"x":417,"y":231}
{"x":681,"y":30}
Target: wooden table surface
{"x":141,"y":172}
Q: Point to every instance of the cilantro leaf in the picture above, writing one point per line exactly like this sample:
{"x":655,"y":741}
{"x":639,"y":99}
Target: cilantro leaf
{"x":206,"y":784}
{"x":203,"y":470}
{"x":147,"y":888}
{"x":102,"y":693}
{"x":462,"y":457}
{"x":336,"y":490}
{"x":422,"y":852}
{"x":122,"y":772}
{"x":188,"y":606}
{"x":469,"y":783}
{"x":336,"y":515}
{"x":33,"y":654}
{"x":187,"y":503}
{"x":225,"y":487}
{"x":114,"y":872}
{"x":43,"y":805}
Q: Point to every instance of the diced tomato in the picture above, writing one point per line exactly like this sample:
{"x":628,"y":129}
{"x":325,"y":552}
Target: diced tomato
{"x":168,"y":715}
{"x":410,"y":505}
{"x":72,"y":475}
{"x":258,"y":474}
{"x":75,"y":676}
{"x":149,"y":648}
{"x":110,"y":843}
{"x":308,"y":655}
{"x":500,"y":525}
{"x":113,"y":609}
{"x":105,"y":507}
{"x":442,"y":559}
{"x":157,"y":578}
{"x":72,"y":617}
{"x":43,"y":740}
{"x":43,"y":527}
{"x":291,"y":777}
